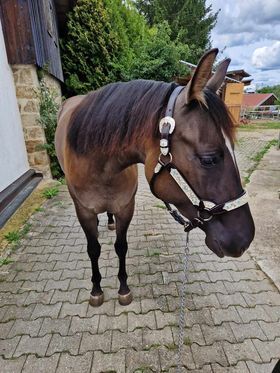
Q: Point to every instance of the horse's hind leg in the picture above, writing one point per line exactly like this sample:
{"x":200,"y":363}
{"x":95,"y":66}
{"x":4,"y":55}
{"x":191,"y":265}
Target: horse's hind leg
{"x":88,"y":221}
{"x":111,"y":223}
{"x":123,"y":220}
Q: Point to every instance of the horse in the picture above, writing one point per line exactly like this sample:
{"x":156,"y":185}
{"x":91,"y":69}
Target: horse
{"x":101,"y":137}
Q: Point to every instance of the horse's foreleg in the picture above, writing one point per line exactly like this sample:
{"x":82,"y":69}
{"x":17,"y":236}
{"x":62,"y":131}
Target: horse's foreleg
{"x":89,"y":222}
{"x":123,"y":220}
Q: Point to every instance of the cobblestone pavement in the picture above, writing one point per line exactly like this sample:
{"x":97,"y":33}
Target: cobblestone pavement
{"x":47,"y":325}
{"x":248,"y":145}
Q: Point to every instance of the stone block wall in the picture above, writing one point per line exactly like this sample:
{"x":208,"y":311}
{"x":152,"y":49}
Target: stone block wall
{"x":54,"y":86}
{"x":27,"y":88}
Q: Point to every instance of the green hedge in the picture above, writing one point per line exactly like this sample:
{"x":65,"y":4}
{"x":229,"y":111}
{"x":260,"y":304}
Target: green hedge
{"x":110,"y":40}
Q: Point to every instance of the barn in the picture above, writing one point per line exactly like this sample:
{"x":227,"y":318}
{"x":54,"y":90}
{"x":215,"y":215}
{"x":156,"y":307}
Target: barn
{"x":255,"y":100}
{"x":29,"y":41}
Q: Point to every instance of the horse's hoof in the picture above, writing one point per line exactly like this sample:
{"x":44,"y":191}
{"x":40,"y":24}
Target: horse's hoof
{"x":111,"y":226}
{"x":96,"y":300}
{"x":126,"y":299}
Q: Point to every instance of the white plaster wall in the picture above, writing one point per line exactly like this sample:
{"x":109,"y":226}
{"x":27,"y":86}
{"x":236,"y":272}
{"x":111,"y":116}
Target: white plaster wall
{"x":13,"y":157}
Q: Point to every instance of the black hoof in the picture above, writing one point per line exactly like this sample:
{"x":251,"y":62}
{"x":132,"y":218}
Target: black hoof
{"x":126,"y":299}
{"x":96,"y":300}
{"x":111,"y":226}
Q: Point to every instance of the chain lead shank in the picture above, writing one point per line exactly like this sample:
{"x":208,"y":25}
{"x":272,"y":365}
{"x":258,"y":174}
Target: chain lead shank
{"x":182,"y":308}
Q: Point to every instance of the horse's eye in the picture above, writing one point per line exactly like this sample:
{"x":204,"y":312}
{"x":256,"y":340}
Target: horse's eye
{"x":209,"y":160}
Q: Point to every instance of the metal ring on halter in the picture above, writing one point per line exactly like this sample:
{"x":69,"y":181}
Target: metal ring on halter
{"x":203,"y":218}
{"x":165,"y":163}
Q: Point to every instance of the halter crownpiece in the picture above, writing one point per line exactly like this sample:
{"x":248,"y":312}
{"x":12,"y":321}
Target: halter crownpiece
{"x":205,"y":209}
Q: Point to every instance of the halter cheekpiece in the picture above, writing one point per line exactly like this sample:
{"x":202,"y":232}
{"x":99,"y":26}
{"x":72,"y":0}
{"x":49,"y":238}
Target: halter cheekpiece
{"x":205,"y":209}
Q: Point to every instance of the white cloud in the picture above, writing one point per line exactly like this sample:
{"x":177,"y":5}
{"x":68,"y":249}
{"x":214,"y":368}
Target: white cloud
{"x":244,"y":28}
{"x":268,"y":57}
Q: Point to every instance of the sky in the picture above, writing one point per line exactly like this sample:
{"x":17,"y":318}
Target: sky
{"x":250,"y":31}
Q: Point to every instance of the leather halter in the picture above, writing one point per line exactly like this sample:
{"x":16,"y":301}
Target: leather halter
{"x":205,"y":209}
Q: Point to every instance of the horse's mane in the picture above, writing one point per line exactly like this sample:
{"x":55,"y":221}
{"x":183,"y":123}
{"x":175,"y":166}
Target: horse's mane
{"x":119,"y":114}
{"x":220,"y":114}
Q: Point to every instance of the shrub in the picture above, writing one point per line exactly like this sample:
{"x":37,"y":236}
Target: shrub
{"x":110,"y":41}
{"x":48,"y":119}
{"x":90,"y":48}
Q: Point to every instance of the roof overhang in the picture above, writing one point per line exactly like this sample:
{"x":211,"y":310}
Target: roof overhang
{"x":62,"y":8}
{"x":240,"y":72}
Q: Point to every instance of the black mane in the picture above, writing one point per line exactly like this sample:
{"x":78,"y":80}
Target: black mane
{"x":118,"y":114}
{"x":219,"y":113}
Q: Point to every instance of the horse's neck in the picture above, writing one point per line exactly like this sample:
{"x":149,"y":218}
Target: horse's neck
{"x":138,"y":152}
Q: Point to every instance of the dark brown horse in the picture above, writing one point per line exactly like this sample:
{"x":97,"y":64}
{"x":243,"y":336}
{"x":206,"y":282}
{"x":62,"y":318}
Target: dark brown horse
{"x":101,"y":136}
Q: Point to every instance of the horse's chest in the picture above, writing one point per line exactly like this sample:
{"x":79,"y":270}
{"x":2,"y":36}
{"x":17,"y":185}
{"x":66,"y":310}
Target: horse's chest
{"x":110,"y":196}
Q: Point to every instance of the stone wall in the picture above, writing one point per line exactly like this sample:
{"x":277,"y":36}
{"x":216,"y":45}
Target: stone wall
{"x":27,"y":88}
{"x":54,"y":86}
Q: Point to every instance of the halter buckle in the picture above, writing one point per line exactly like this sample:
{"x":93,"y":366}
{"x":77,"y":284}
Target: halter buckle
{"x":167,"y":120}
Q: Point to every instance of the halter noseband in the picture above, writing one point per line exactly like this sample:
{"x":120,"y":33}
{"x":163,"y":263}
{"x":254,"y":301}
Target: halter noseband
{"x":205,"y":209}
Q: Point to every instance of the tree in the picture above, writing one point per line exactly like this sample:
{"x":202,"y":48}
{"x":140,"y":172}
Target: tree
{"x":158,"y":58}
{"x":190,"y":21}
{"x":130,"y":29}
{"x":110,"y":40}
{"x":272,"y":89}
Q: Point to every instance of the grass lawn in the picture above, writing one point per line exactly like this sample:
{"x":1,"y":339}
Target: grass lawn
{"x":255,"y":125}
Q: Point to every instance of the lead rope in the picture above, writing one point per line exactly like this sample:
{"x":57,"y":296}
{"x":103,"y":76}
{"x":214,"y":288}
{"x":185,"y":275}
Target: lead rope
{"x":181,"y":331}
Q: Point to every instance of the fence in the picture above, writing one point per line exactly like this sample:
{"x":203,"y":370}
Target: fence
{"x":261,"y":112}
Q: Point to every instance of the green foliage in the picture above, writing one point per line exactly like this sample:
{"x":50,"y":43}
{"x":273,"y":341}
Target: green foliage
{"x":5,"y":261}
{"x":39,"y":209}
{"x":50,"y":192}
{"x":25,"y":229}
{"x":272,"y":89}
{"x":158,"y":58}
{"x":110,"y":41}
{"x":12,"y":236}
{"x":190,"y":21}
{"x":130,"y":29}
{"x":91,"y":48}
{"x":258,"y":157}
{"x":260,"y":125}
{"x":48,"y":120}
{"x":62,"y":181}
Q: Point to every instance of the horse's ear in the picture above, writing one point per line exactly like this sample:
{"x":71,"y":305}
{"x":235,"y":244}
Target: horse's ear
{"x":217,"y":79}
{"x":201,"y":76}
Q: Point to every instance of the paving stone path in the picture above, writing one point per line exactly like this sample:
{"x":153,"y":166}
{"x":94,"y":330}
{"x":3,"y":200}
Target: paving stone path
{"x":47,"y":325}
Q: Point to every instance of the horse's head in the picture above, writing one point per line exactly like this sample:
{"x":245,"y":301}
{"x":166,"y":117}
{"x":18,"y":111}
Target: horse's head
{"x":202,"y":151}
